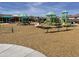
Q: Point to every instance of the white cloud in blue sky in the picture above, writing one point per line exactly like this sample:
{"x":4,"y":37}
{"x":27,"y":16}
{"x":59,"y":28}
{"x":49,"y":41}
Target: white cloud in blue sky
{"x":38,"y":8}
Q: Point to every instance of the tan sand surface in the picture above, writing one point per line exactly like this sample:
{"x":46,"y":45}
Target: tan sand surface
{"x":63,"y":43}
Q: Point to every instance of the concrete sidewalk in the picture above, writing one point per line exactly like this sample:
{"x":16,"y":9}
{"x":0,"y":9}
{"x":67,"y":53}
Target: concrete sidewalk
{"x":11,"y":50}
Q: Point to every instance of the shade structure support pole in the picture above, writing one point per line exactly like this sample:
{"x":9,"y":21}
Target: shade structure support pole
{"x":12,"y":30}
{"x":47,"y":31}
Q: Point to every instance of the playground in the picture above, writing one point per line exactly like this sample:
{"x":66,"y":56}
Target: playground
{"x":53,"y":38}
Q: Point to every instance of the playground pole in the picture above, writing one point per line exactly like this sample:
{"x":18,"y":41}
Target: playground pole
{"x":12,"y":30}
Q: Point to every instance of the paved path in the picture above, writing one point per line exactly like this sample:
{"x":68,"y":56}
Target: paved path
{"x":10,"y":50}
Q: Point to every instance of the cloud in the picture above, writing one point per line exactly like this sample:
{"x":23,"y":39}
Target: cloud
{"x":37,"y":8}
{"x":16,"y":12}
{"x":10,"y":12}
{"x":35,"y":11}
{"x":76,"y":11}
{"x":1,"y":7}
{"x":37,"y":3}
{"x":34,"y":3}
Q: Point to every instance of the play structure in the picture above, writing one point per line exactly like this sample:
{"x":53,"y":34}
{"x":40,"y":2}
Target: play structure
{"x":24,"y":19}
{"x":52,"y":21}
{"x":65,"y":20}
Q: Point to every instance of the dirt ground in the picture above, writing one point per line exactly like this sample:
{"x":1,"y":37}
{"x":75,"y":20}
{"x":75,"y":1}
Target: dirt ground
{"x":63,"y":43}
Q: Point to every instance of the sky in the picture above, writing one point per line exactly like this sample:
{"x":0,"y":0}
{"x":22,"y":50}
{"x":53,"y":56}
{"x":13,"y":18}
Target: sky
{"x":38,"y":8}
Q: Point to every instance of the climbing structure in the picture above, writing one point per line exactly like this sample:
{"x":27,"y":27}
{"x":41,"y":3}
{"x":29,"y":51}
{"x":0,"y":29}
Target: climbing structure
{"x":64,"y":19}
{"x":53,"y":21}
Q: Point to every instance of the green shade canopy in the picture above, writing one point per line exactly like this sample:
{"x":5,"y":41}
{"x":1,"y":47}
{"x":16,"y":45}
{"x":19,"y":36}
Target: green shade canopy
{"x":52,"y":19}
{"x":22,"y":15}
{"x":51,"y":14}
{"x":7,"y":16}
{"x":65,"y":12}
